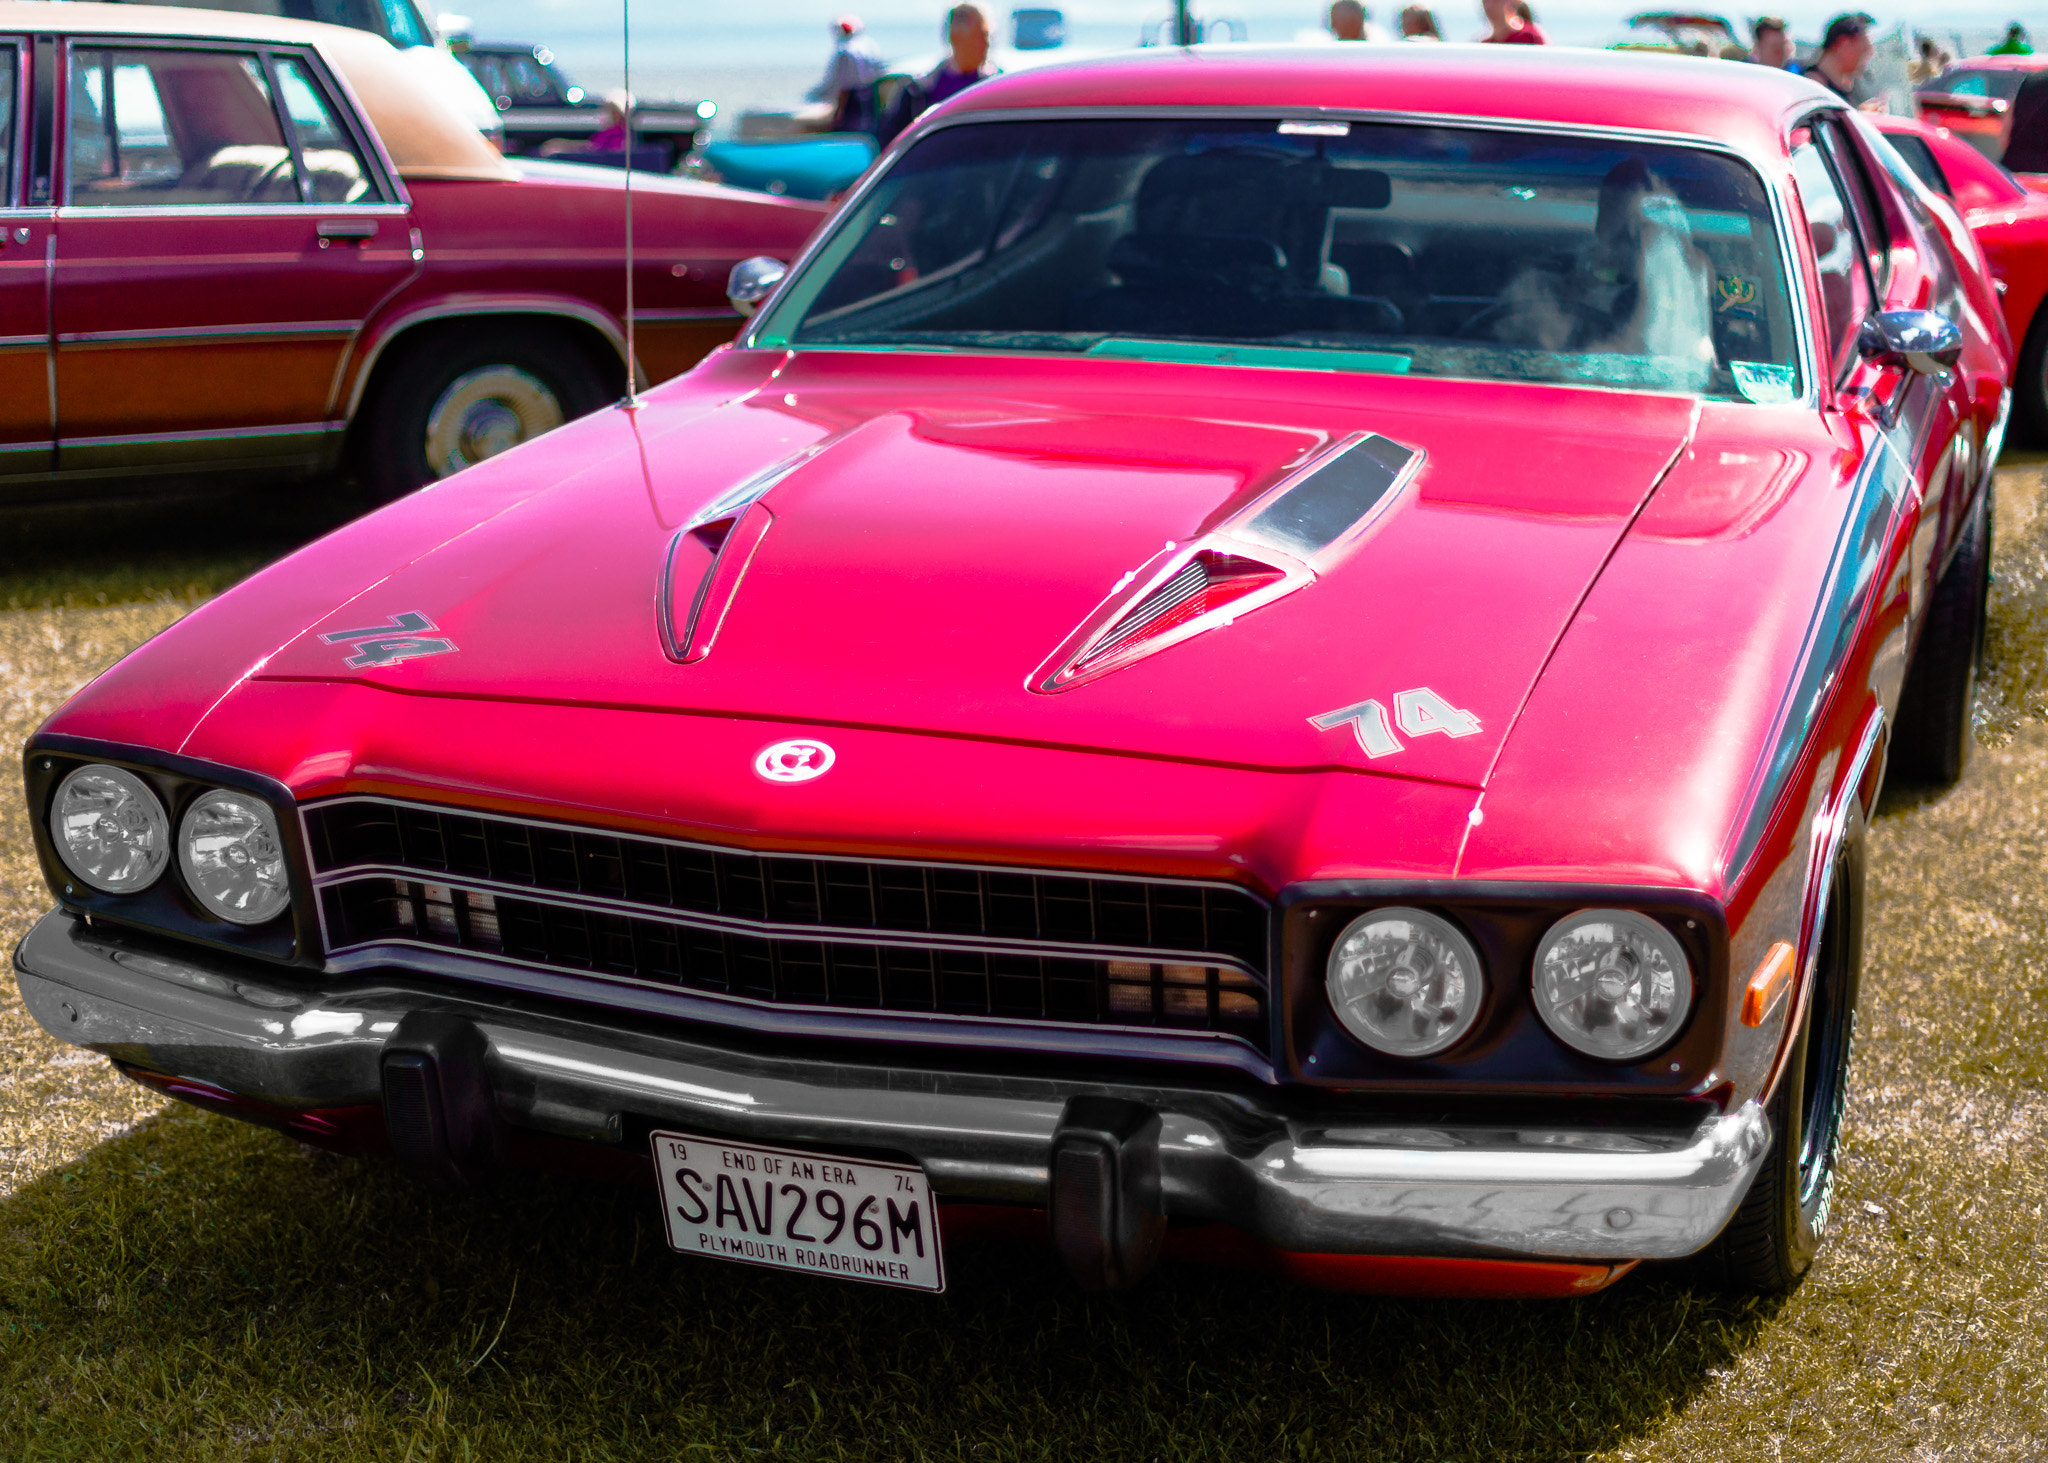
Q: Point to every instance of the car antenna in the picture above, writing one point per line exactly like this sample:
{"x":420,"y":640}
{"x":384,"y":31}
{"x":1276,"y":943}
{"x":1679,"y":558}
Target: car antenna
{"x":626,"y":85}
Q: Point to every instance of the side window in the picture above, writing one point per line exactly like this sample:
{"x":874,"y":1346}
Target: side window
{"x":334,"y":167}
{"x":1920,"y":158}
{"x":1863,"y":201}
{"x":174,"y":127}
{"x":8,"y":72}
{"x":1844,"y":282}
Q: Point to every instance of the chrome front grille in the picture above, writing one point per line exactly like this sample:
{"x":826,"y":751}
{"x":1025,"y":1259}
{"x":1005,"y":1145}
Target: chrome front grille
{"x":862,"y":935}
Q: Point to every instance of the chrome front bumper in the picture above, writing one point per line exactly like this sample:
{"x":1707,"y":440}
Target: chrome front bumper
{"x":300,"y":1041}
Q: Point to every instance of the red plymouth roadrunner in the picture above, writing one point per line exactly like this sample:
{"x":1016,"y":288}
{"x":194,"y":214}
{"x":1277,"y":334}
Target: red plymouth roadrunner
{"x":1261,"y":656}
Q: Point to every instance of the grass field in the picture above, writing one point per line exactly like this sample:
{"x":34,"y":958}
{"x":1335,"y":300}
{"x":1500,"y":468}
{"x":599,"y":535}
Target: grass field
{"x":177,"y":1286}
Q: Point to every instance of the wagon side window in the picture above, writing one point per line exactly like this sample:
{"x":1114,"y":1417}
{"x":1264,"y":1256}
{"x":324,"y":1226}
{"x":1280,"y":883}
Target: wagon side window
{"x":1845,"y":289}
{"x":334,"y":166}
{"x":153,"y":127}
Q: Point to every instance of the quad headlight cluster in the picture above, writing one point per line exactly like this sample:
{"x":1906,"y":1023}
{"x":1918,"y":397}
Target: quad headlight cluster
{"x":1610,"y":983}
{"x":113,"y":834}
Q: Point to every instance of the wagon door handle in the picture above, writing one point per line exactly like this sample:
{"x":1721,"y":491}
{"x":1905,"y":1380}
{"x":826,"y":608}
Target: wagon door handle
{"x":357,"y":229}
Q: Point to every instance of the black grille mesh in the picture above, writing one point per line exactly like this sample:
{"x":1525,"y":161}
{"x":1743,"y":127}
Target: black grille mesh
{"x":846,"y":974}
{"x":909,"y":899}
{"x":712,"y":920}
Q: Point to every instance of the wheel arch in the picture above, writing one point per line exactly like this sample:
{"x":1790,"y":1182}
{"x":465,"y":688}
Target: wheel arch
{"x":599,"y":334}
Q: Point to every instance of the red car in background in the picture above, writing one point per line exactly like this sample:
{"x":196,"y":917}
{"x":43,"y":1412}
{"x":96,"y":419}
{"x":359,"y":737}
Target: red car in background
{"x":2010,"y":224}
{"x":1266,"y":655}
{"x":1974,"y":98}
{"x":238,"y":245}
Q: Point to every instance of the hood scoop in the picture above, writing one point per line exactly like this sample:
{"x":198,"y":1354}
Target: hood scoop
{"x":709,"y":556}
{"x":1275,"y":545}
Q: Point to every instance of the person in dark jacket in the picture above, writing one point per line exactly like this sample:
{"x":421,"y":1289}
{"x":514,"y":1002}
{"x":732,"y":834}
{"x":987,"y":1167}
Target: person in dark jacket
{"x":967,"y":37}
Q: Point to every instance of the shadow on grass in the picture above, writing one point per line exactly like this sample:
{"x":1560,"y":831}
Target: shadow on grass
{"x":201,"y":1289}
{"x":183,"y":546}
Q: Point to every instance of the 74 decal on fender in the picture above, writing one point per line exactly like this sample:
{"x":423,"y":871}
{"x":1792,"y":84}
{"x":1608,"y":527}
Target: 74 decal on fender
{"x":1418,"y":713}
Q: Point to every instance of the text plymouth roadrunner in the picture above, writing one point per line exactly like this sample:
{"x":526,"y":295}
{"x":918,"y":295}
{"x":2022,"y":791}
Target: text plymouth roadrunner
{"x":1259,"y":655}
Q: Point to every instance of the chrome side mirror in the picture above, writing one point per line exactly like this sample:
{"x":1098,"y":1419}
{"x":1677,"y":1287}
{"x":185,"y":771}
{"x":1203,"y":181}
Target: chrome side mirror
{"x":1920,"y":340}
{"x":752,"y":281}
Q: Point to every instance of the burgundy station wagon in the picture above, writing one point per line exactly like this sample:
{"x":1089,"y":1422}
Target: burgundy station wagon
{"x":231,"y":244}
{"x":1274,"y":656}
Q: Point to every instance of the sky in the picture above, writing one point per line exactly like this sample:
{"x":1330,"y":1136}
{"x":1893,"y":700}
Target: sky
{"x":692,"y":48}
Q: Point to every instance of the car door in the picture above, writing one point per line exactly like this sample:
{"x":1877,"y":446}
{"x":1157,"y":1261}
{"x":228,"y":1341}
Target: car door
{"x":24,"y":278}
{"x":225,"y":232}
{"x":1909,"y":426}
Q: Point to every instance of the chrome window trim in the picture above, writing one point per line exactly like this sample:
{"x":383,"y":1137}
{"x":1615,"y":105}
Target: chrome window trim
{"x":1761,"y":166}
{"x":564,"y":825}
{"x":14,"y":177}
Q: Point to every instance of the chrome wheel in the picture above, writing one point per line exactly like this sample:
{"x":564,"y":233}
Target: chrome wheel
{"x":485,"y":412}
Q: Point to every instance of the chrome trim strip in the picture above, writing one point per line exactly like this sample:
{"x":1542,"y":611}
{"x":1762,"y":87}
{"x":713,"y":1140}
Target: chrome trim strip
{"x":231,"y":434}
{"x":727,"y":924}
{"x":231,"y":210}
{"x":564,"y":826}
{"x":779,"y":1018}
{"x":706,"y":312}
{"x":1524,"y":1188}
{"x":16,"y":342}
{"x":1763,"y":167}
{"x":1844,"y":599}
{"x":208,"y":332}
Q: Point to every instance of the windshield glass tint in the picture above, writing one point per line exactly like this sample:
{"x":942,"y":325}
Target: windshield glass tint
{"x":1425,"y":250}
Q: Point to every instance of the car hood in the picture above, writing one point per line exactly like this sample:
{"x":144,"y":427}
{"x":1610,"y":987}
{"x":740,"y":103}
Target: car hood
{"x":942,"y":527}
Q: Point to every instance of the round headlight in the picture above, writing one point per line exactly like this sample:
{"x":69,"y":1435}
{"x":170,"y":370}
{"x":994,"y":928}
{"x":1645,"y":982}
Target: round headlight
{"x":110,"y":830}
{"x":233,"y":859}
{"x":1405,"y":981}
{"x":1612,"y":983}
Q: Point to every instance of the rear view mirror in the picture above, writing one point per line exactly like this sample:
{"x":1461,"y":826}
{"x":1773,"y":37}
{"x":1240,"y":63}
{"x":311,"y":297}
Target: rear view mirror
{"x":752,"y":281}
{"x":1919,"y":340}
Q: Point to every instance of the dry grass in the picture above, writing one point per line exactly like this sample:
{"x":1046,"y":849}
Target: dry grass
{"x":191,"y":1288}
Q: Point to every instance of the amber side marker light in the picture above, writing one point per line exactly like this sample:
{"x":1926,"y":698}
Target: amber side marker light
{"x":1768,"y":986}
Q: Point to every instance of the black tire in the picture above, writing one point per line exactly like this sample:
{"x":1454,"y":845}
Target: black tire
{"x":1770,"y":1242}
{"x":2030,"y":382}
{"x":1932,"y":743}
{"x":498,"y":384}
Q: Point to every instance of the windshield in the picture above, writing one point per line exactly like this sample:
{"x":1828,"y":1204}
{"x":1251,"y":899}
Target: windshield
{"x":1328,"y":245}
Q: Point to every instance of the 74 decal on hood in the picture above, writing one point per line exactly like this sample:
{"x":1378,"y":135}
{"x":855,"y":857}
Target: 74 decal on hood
{"x":1419,"y":712}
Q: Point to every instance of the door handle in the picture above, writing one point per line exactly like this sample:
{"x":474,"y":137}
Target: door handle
{"x":356,"y":230}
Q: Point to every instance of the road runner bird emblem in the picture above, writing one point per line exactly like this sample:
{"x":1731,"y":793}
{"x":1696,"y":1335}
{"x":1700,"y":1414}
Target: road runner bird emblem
{"x":404,"y":638}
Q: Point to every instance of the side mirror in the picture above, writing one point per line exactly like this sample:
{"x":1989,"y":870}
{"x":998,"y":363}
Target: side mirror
{"x":752,"y":281}
{"x":1919,"y":340}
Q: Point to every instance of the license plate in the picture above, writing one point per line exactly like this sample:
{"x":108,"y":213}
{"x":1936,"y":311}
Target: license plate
{"x":799,"y":1211}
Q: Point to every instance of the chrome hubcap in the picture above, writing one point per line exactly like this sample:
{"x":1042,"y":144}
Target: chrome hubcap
{"x":485,"y":412}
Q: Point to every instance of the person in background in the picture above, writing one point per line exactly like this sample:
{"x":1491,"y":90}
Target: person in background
{"x":850,"y":78}
{"x":967,"y":38}
{"x":1511,"y":22}
{"x":1418,"y":23}
{"x":612,"y":136}
{"x":1845,"y":52}
{"x":1770,"y":42}
{"x":1929,"y":61}
{"x":1351,"y":21}
{"x":2015,"y":43}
